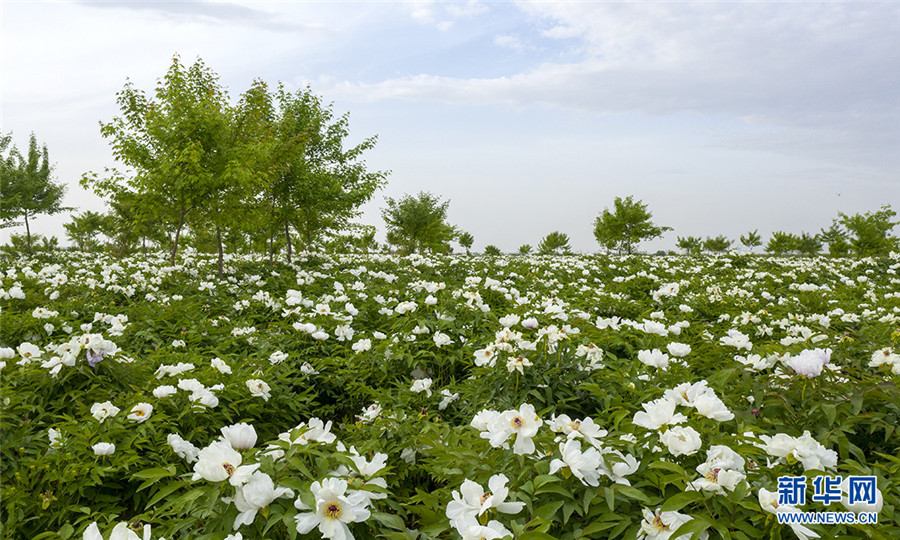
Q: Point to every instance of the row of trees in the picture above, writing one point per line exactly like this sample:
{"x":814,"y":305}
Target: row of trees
{"x":862,"y":235}
{"x":238,"y":175}
{"x":419,"y":223}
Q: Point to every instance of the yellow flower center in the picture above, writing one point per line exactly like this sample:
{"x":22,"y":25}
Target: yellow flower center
{"x":229,"y":468}
{"x":713,"y":475}
{"x":517,"y":422}
{"x":333,"y":510}
{"x":658,"y":523}
{"x":485,"y":497}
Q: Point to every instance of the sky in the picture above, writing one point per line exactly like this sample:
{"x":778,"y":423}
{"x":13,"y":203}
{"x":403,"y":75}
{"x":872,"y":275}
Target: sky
{"x":529,"y":117}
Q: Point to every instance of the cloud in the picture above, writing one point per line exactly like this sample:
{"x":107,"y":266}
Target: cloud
{"x":509,"y":42}
{"x":442,"y":15}
{"x":813,"y":75}
{"x":205,"y":10}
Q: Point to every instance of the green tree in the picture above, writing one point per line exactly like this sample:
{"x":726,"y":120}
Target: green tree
{"x":84,"y":229}
{"x":466,"y":240}
{"x":751,"y":240}
{"x":627,"y":225}
{"x":26,"y":186}
{"x":692,"y":245}
{"x":177,"y":144}
{"x":719,"y":244}
{"x":836,"y":239}
{"x":524,"y":249}
{"x":554,"y":243}
{"x":323,"y":181}
{"x":492,"y":250}
{"x":418,"y":223}
{"x":809,"y":244}
{"x":870,"y":233}
{"x":782,"y":243}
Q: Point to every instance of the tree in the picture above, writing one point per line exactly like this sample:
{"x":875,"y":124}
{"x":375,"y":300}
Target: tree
{"x":809,"y":244}
{"x":870,"y":233}
{"x":718,"y":244}
{"x":322,"y":184}
{"x":178,"y":143}
{"x":418,"y":223}
{"x":524,"y":249}
{"x":692,"y":245}
{"x":84,"y":228}
{"x":492,"y":250}
{"x":26,"y":186}
{"x":782,"y":243}
{"x":836,"y":239}
{"x":555,"y":243}
{"x":627,"y":225}
{"x":751,"y":240}
{"x":466,"y":240}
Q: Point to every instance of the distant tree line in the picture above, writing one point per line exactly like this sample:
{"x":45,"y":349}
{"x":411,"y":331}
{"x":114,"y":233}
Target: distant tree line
{"x":270,"y":172}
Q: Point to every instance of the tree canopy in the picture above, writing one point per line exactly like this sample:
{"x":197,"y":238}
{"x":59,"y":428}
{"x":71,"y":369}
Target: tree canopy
{"x":626,"y":226}
{"x":26,"y":186}
{"x":418,"y":223}
{"x":271,"y":163}
{"x":554,"y":243}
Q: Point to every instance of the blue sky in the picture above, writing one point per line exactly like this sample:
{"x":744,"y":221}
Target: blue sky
{"x":529,"y":116}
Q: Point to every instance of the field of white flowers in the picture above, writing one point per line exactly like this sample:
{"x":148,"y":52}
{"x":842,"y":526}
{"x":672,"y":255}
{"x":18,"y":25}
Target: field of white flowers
{"x":370,"y":396}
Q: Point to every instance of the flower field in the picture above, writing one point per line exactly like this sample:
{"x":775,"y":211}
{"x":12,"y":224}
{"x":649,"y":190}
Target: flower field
{"x":371,"y":396}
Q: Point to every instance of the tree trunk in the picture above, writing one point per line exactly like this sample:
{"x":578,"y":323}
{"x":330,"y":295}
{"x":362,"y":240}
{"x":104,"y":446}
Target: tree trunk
{"x":219,"y":242}
{"x":287,"y":238}
{"x":271,"y":248}
{"x":143,"y":245}
{"x":28,"y":232}
{"x":177,"y":235}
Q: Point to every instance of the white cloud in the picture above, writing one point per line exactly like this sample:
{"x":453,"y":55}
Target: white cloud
{"x":829,"y":76}
{"x":509,"y":42}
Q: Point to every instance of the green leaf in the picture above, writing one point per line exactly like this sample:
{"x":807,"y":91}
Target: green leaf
{"x":679,"y":501}
{"x":390,"y":520}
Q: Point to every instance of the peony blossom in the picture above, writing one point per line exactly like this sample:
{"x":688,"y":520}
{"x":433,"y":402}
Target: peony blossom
{"x":522,"y":423}
{"x":218,"y":462}
{"x":102,"y":411}
{"x":809,"y":362}
{"x":681,"y":441}
{"x":104,"y":449}
{"x":240,"y":436}
{"x":334,"y":508}
{"x":583,"y":465}
{"x":140,"y":412}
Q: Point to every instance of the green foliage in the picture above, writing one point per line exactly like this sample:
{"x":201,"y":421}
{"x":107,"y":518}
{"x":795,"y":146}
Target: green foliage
{"x":626,"y":226}
{"x":783,"y":243}
{"x":26,"y":186}
{"x":719,"y":244}
{"x":466,"y":240}
{"x":692,"y":245}
{"x":561,"y":334}
{"x":524,"y":249}
{"x":809,"y":244}
{"x":836,"y":240}
{"x":751,"y":240}
{"x":554,"y":243}
{"x":492,"y":250}
{"x":417,"y":224}
{"x":870,"y":233}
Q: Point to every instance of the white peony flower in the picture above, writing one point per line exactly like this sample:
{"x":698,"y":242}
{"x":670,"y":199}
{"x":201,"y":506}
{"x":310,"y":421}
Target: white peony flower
{"x":334,"y":508}
{"x":104,"y":448}
{"x":240,"y":436}
{"x":140,"y":412}
{"x":681,"y":441}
